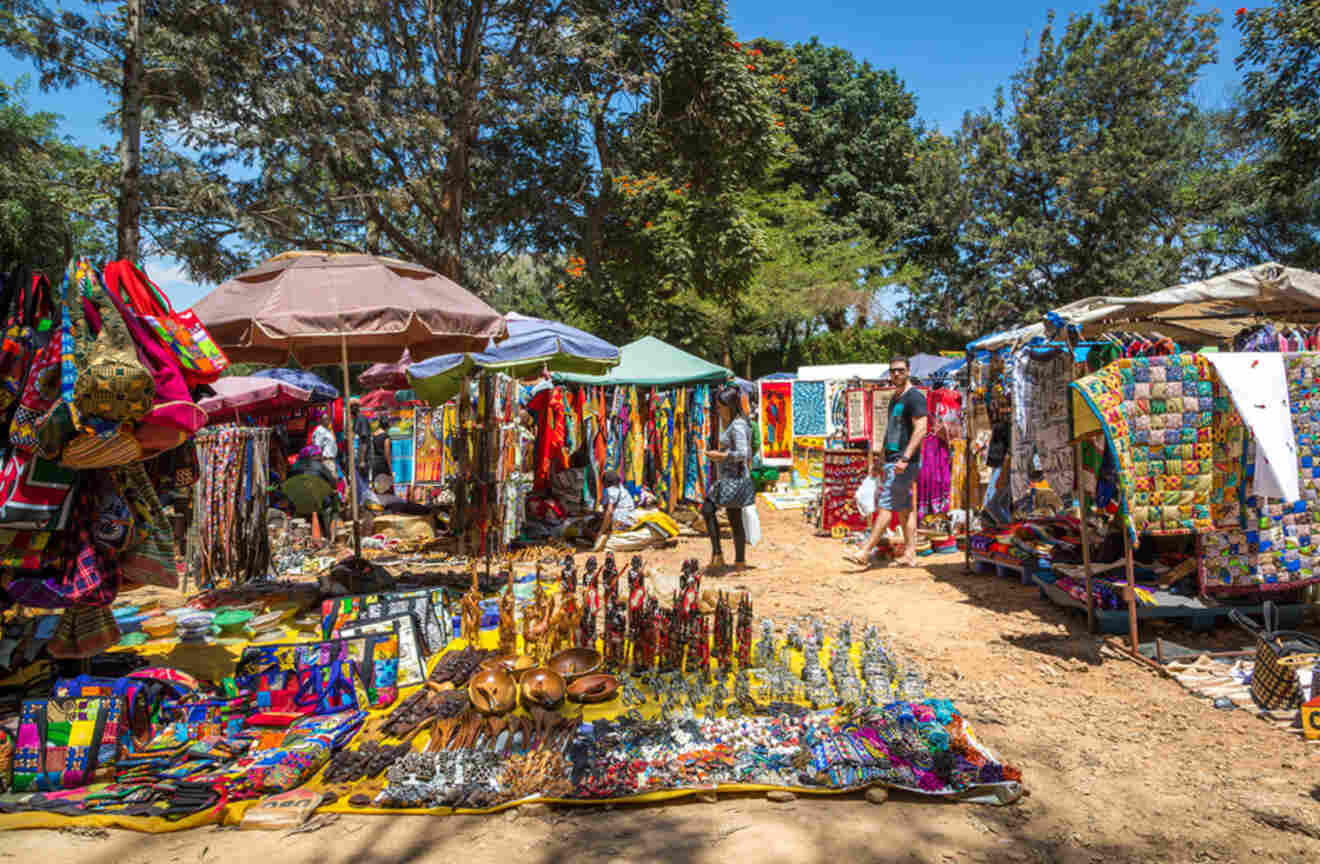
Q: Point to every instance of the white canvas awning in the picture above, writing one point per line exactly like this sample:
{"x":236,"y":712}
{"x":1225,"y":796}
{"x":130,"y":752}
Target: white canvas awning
{"x":844,"y":372}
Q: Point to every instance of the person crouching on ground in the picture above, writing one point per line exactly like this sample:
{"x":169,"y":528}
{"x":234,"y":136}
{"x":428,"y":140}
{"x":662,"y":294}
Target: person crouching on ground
{"x":904,"y":433}
{"x":619,"y":510}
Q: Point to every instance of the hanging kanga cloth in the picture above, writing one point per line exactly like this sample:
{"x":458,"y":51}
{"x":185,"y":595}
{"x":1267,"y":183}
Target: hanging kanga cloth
{"x":678,"y":448}
{"x":664,"y":425}
{"x":694,"y":472}
{"x":551,"y":437}
{"x":636,"y":441}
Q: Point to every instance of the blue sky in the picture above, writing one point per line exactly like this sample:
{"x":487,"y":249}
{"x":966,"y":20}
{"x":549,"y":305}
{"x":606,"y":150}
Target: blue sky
{"x":952,"y":55}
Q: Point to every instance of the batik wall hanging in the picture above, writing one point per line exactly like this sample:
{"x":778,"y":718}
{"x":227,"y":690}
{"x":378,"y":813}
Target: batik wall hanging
{"x":808,"y":460}
{"x":1041,"y":458}
{"x":836,"y":410}
{"x":857,"y":415}
{"x":1178,"y":446}
{"x":776,"y":419}
{"x":809,"y":410}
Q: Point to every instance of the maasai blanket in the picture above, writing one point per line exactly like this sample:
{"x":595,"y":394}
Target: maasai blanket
{"x":1040,"y":453}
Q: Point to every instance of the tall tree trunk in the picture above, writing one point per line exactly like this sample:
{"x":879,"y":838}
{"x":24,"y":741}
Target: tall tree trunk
{"x":130,"y":134}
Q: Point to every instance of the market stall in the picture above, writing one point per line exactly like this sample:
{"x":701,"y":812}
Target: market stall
{"x":1130,"y":384}
{"x":320,"y":308}
{"x":572,"y":689}
{"x":653,"y":417}
{"x":99,"y":416}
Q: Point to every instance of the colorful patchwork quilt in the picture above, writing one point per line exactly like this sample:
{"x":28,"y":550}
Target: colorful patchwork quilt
{"x":1177,"y":440}
{"x":1276,"y":546}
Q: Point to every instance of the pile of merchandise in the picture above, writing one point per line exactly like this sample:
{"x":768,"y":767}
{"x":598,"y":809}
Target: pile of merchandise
{"x":574,"y":691}
{"x":96,"y":399}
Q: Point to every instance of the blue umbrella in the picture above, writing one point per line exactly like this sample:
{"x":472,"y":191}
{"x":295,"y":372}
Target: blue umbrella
{"x":533,"y":344}
{"x":321,"y":391}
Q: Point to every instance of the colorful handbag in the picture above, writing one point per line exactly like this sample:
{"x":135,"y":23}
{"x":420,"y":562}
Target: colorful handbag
{"x":112,"y":384}
{"x":35,"y":494}
{"x":382,"y":667}
{"x":21,"y":336}
{"x":174,"y":417}
{"x":84,"y":631}
{"x":221,"y":718}
{"x":149,"y":557}
{"x":331,"y":688}
{"x":127,"y":711}
{"x":198,"y":356}
{"x":110,"y":449}
{"x":60,"y":743}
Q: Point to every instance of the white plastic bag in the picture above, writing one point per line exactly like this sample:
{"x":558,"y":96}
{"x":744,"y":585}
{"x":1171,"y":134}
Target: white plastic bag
{"x":866,"y":496}
{"x":751,"y":525}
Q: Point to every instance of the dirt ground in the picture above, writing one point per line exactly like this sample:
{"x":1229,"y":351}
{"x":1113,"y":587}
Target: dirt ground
{"x":1121,"y":764}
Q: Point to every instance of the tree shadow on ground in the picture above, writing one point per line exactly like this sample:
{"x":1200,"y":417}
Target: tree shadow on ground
{"x":742,"y":828}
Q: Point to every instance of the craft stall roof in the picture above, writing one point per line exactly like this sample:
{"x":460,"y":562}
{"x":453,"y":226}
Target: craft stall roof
{"x":533,"y":344}
{"x":1197,"y":313}
{"x":844,"y":372}
{"x":649,"y":362}
{"x":1212,"y":310}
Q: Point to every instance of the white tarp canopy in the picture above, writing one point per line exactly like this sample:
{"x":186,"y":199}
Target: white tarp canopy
{"x":844,"y":372}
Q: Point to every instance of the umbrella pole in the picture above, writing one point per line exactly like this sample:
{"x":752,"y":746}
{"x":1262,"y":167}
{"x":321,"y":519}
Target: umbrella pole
{"x":352,"y":446}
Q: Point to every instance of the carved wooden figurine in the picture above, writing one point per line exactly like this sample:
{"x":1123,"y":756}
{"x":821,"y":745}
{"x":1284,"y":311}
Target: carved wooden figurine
{"x":508,"y":620}
{"x":472,"y":613}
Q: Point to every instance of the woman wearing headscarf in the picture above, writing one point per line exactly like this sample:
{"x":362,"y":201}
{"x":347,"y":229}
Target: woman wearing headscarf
{"x":733,"y":488}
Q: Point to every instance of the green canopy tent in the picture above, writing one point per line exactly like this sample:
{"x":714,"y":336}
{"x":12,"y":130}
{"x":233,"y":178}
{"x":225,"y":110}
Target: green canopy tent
{"x":648,"y":362}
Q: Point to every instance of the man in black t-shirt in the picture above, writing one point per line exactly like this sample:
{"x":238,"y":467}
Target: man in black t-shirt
{"x":904,"y":434}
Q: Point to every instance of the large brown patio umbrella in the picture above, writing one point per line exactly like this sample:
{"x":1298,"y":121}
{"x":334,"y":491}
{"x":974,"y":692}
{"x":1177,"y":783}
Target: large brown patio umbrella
{"x":321,"y":308}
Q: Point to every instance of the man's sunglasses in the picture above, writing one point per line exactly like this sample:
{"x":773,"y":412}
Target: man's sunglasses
{"x":893,"y":371}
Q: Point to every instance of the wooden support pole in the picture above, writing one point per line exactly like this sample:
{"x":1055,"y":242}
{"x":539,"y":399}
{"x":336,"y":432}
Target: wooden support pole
{"x":352,"y":445}
{"x":969,"y":412}
{"x":1131,"y":591}
{"x":1084,"y":510}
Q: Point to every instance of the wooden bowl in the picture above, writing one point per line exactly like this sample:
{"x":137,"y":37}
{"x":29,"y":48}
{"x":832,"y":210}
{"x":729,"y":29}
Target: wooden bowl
{"x":493,"y":691}
{"x":575,"y":662}
{"x":543,"y":688}
{"x":514,"y":664}
{"x":590,"y":689}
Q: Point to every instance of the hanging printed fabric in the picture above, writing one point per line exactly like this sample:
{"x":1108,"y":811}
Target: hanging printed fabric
{"x":776,"y":419}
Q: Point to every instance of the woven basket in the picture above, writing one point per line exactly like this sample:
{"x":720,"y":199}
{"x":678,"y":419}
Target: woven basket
{"x":1300,"y":661}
